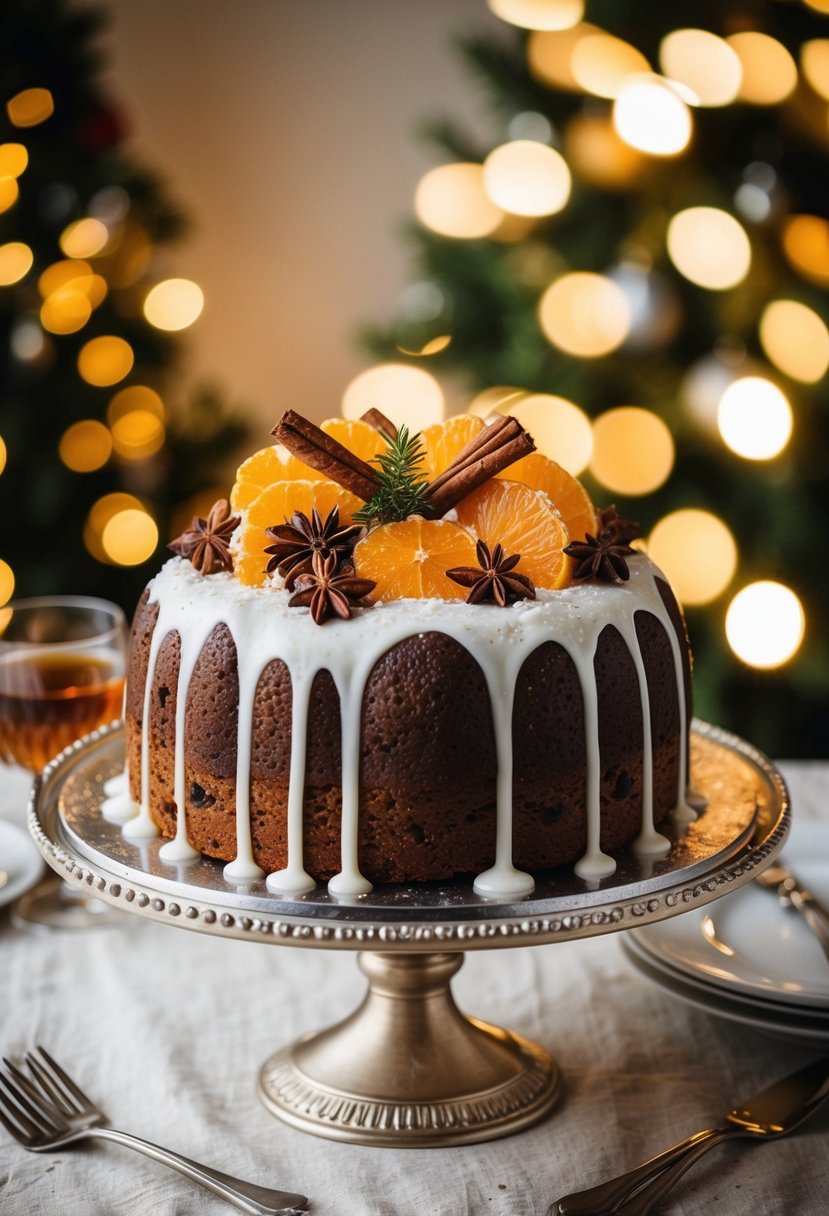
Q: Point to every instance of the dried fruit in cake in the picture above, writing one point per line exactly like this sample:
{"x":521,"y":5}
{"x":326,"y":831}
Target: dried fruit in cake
{"x":409,"y":560}
{"x":273,"y":506}
{"x":565,"y":492}
{"x":523,"y":521}
{"x":444,"y":440}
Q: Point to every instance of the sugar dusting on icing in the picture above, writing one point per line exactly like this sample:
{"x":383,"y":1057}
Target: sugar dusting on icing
{"x":264,"y":629}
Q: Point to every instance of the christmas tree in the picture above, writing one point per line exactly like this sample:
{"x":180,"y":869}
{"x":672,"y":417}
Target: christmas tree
{"x":635,"y":265}
{"x":98,"y":469}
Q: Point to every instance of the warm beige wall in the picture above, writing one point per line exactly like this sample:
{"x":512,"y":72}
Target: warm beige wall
{"x":286,"y":127}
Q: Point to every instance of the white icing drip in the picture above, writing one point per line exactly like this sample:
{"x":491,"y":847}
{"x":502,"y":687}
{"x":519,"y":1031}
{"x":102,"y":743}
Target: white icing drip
{"x":264,"y":629}
{"x":179,"y":848}
{"x":141,"y":827}
{"x":649,"y":842}
{"x":116,"y":785}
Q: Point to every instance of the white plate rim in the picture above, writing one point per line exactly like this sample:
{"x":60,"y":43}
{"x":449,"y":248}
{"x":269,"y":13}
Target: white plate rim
{"x":24,"y":875}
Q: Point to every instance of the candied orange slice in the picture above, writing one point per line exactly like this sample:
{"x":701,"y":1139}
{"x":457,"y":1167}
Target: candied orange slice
{"x":444,"y":440}
{"x":356,"y":435}
{"x":564,"y":491}
{"x":276,"y":504}
{"x":409,"y":560}
{"x":523,"y":521}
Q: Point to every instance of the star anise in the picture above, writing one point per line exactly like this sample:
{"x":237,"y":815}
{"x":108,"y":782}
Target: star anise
{"x":601,"y":557}
{"x":298,"y":540}
{"x":496,"y":579}
{"x":205,"y":542}
{"x":327,"y":592}
{"x":623,"y":530}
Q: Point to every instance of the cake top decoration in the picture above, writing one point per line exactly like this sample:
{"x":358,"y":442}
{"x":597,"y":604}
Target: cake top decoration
{"x":328,"y":590}
{"x":601,"y":557}
{"x":496,"y":580}
{"x":205,"y":542}
{"x":297,"y":542}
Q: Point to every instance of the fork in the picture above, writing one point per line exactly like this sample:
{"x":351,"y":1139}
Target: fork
{"x":47,"y":1110}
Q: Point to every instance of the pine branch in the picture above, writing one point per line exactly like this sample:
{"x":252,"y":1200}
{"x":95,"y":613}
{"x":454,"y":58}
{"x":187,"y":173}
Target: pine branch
{"x":402,"y":485}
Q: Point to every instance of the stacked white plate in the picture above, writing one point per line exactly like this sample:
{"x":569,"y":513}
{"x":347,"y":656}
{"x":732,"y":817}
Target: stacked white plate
{"x":745,"y":956}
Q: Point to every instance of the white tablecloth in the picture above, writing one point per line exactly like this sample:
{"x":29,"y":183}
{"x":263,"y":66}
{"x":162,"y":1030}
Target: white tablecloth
{"x":167,"y":1029}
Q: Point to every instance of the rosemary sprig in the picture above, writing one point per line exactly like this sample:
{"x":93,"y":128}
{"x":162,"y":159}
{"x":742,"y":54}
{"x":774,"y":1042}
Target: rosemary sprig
{"x":401,"y":491}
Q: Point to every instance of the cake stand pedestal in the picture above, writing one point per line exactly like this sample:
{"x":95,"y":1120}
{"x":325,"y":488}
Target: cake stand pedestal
{"x":407,"y":1068}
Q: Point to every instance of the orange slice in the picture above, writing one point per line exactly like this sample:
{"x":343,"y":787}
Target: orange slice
{"x":523,"y":521}
{"x":409,"y":560}
{"x":276,"y":504}
{"x":564,"y":491}
{"x":444,"y":440}
{"x":356,"y":435}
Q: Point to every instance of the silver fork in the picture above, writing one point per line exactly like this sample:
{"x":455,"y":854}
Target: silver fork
{"x":47,"y":1110}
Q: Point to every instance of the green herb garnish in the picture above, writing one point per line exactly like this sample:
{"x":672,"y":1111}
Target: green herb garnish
{"x":401,"y":489}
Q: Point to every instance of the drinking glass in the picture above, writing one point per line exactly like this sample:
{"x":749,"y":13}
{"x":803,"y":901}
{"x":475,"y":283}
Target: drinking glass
{"x":62,"y":667}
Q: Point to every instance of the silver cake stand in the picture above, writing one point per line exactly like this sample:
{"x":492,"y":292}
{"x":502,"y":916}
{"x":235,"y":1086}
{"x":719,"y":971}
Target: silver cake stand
{"x":407,"y":1068}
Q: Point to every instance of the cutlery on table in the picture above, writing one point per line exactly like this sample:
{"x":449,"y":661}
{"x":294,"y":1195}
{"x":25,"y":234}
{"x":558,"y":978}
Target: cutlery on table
{"x":771,"y":1113}
{"x":46,"y":1110}
{"x":793,"y":894}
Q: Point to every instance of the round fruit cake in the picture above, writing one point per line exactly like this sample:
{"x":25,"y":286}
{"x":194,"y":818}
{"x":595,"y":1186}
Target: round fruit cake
{"x":483,"y":678}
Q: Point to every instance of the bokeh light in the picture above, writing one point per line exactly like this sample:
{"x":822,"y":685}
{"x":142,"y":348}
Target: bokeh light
{"x":795,"y":339}
{"x":28,"y":342}
{"x":3,"y":454}
{"x":13,"y":160}
{"x":16,"y":261}
{"x":137,"y":434}
{"x":560,"y":429}
{"x":709,"y":247}
{"x":499,"y":399}
{"x":9,"y":192}
{"x":84,"y":238}
{"x":30,"y":107}
{"x":174,"y":304}
{"x":451,"y":200}
{"x":129,"y":537}
{"x":769,"y":72}
{"x":584,"y":314}
{"x":814,"y":60}
{"x":696,"y":551}
{"x":633,"y":451}
{"x":101,"y":512}
{"x":806,"y":245}
{"x":409,"y":396}
{"x":650,"y":115}
{"x":597,"y":154}
{"x":6,"y":582}
{"x":550,"y":54}
{"x":765,"y":624}
{"x":527,"y":178}
{"x":754,"y":418}
{"x":600,"y":63}
{"x":539,"y":14}
{"x":704,"y":63}
{"x":135,"y":397}
{"x":65,"y":311}
{"x":105,"y":360}
{"x":85,"y":446}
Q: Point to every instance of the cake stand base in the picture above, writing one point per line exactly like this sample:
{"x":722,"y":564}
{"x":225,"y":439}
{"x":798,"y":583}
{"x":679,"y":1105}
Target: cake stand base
{"x":408,"y":1069}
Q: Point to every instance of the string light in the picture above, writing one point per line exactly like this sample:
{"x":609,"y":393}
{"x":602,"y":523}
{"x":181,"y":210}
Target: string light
{"x":409,"y":396}
{"x":704,"y":63}
{"x":633,"y":451}
{"x":765,"y":624}
{"x":769,"y":72}
{"x":6,"y":582}
{"x":696,"y":551}
{"x":16,"y":260}
{"x":106,"y":360}
{"x":527,"y":178}
{"x":13,"y":160}
{"x":539,"y":14}
{"x":806,"y":245}
{"x":174,"y":304}
{"x":84,"y":238}
{"x":754,"y":418}
{"x":650,"y":115}
{"x":795,"y":339}
{"x":601,"y":63}
{"x":560,"y":429}
{"x":814,"y":60}
{"x":584,"y":314}
{"x":452,"y":201}
{"x":85,"y":446}
{"x":130,"y":537}
{"x":709,"y":247}
{"x":30,"y":107}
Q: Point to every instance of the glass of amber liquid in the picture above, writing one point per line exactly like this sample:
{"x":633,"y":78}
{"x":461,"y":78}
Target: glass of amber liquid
{"x":62,"y":666}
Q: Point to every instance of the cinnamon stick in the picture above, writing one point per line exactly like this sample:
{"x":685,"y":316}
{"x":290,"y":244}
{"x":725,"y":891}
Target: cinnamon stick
{"x":380,"y":422}
{"x":325,"y":454}
{"x":491,"y":451}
